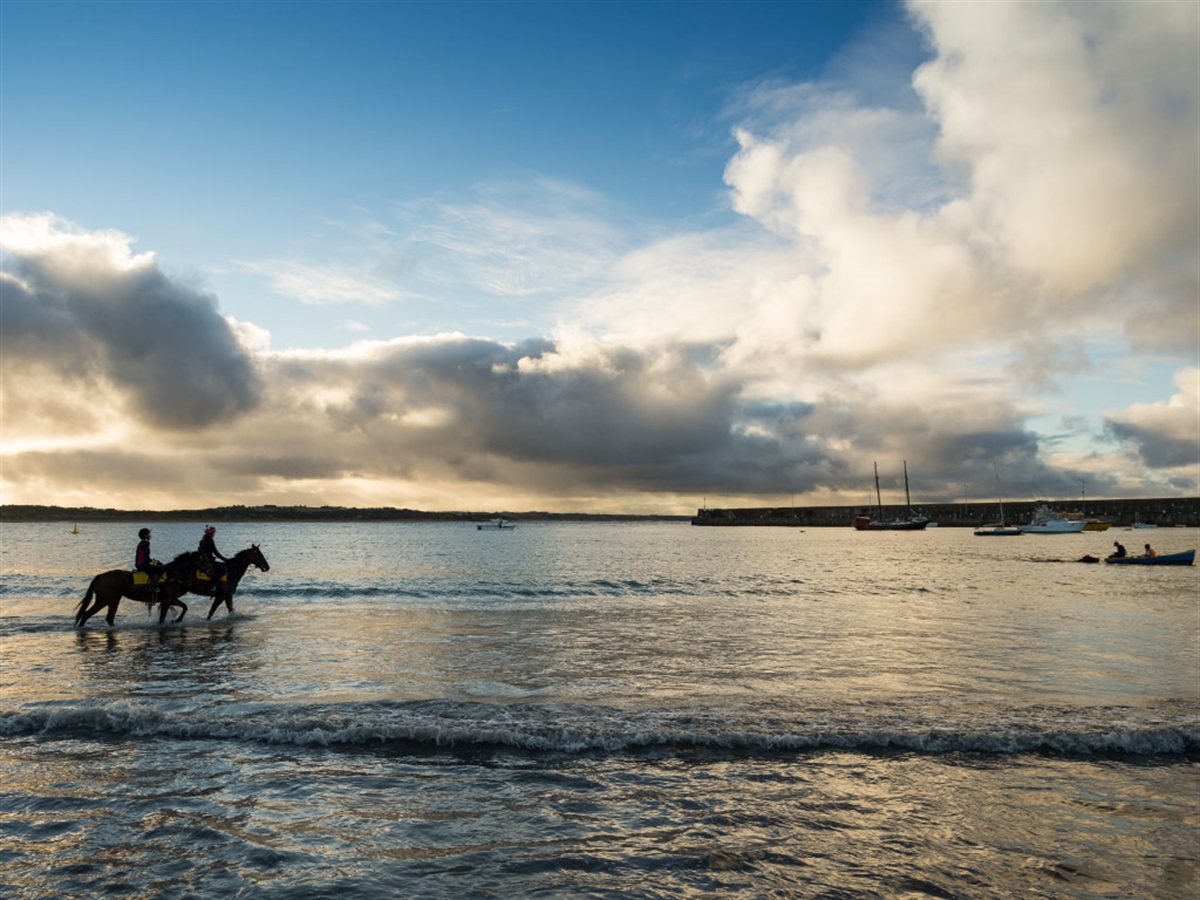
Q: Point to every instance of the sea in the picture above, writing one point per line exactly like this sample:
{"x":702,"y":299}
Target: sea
{"x":603,"y":709}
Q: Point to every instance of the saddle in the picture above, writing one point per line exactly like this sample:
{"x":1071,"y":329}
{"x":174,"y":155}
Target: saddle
{"x":201,"y":576}
{"x":140,"y":579}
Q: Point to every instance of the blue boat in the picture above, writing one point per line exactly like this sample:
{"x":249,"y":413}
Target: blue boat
{"x":1186,"y":558}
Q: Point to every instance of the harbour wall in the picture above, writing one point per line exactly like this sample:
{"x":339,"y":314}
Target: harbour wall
{"x":1162,"y":512}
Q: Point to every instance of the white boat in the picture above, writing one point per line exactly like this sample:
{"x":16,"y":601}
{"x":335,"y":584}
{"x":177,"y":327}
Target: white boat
{"x":1050,"y":521}
{"x":1144,"y":525}
{"x":496,"y":525}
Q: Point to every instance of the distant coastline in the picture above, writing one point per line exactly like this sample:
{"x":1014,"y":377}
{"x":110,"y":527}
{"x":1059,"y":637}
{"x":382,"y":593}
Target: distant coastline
{"x":269,"y":513}
{"x":1162,"y":511}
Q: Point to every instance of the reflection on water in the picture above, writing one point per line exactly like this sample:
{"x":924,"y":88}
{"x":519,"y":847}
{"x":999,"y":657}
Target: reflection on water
{"x":170,"y":661}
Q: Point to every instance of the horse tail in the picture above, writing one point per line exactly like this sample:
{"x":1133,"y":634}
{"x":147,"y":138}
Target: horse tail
{"x":83,"y":604}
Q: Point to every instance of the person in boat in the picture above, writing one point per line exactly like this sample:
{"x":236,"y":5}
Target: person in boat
{"x":208,"y":546}
{"x":1119,"y":553}
{"x":144,"y":562}
{"x":1150,"y":551}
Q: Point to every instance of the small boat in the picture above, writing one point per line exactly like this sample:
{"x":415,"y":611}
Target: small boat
{"x":1046,"y":520}
{"x":496,"y":525}
{"x":912,"y":522}
{"x":1143,"y":525}
{"x":1000,"y":529}
{"x":1186,"y":558}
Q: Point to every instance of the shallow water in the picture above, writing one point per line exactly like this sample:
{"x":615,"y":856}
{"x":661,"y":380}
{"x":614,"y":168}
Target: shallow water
{"x":604,"y":710}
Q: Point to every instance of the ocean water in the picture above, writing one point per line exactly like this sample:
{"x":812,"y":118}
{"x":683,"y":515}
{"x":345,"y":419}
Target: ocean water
{"x":604,"y":710}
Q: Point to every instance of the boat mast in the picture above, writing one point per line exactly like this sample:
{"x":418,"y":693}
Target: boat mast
{"x":878,"y":499}
{"x":907,"y":501}
{"x":999,"y":493}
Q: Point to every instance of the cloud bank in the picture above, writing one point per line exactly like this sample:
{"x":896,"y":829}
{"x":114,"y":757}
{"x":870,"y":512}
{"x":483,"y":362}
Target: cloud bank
{"x":80,"y":305}
{"x":903,"y":277}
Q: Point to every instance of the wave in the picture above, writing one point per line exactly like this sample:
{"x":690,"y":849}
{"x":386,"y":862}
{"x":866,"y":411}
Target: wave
{"x":433,"y":726}
{"x":426,"y":589}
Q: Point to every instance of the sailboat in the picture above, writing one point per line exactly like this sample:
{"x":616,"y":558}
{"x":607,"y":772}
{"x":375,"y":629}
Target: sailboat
{"x":912,"y":523}
{"x":1000,"y":530}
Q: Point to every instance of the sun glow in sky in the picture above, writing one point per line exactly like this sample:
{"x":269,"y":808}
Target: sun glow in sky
{"x":597,"y":256}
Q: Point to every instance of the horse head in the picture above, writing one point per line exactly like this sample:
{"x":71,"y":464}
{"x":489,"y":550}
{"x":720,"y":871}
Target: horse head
{"x":258,"y":560}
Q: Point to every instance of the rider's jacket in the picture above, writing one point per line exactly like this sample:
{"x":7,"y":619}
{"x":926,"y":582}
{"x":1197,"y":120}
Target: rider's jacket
{"x":141,"y":559}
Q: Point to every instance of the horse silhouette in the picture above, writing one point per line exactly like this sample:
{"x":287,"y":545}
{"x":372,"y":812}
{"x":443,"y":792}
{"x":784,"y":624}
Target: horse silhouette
{"x":107,"y":589}
{"x":223,"y":589}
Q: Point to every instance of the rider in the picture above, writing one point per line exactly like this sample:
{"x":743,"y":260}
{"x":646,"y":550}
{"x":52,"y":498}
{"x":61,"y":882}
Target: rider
{"x":208,"y":547}
{"x":142,"y":561}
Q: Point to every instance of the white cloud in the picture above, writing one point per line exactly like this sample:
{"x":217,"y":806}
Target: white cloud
{"x":1076,"y":124}
{"x":79,"y":253}
{"x":319,"y":284}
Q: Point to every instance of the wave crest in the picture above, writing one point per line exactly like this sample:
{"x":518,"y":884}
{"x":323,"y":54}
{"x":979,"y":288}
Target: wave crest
{"x":434,"y":726}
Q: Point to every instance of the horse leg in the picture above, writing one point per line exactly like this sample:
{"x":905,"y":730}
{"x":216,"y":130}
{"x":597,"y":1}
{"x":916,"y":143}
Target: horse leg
{"x":83,"y":612}
{"x":217,"y":598}
{"x":83,"y":615}
{"x":179,"y":602}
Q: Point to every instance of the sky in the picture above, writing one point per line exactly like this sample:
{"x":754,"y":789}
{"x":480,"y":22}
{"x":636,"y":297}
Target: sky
{"x":620,"y":257}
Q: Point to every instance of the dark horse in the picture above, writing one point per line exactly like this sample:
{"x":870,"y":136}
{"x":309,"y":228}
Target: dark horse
{"x":222,"y":590}
{"x":109,"y":587}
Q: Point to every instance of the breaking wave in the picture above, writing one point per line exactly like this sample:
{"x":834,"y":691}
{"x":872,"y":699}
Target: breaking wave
{"x":439,"y":725}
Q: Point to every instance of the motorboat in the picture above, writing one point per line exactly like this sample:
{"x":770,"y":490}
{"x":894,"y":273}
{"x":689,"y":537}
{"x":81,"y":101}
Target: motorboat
{"x":1047,"y":520}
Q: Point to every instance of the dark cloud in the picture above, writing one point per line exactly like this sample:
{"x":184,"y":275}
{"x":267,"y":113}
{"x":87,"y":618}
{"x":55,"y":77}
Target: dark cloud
{"x":1159,"y":448}
{"x":476,"y":397}
{"x":163,"y":346}
{"x":88,"y":470}
{"x":615,"y":419}
{"x":307,"y":466}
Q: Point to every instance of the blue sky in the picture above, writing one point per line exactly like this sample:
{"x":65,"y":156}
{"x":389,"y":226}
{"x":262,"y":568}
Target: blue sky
{"x":610,"y":256}
{"x":317,"y":123}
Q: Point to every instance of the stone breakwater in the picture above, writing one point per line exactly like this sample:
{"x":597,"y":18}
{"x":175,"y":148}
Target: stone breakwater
{"x":1164,"y":513}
